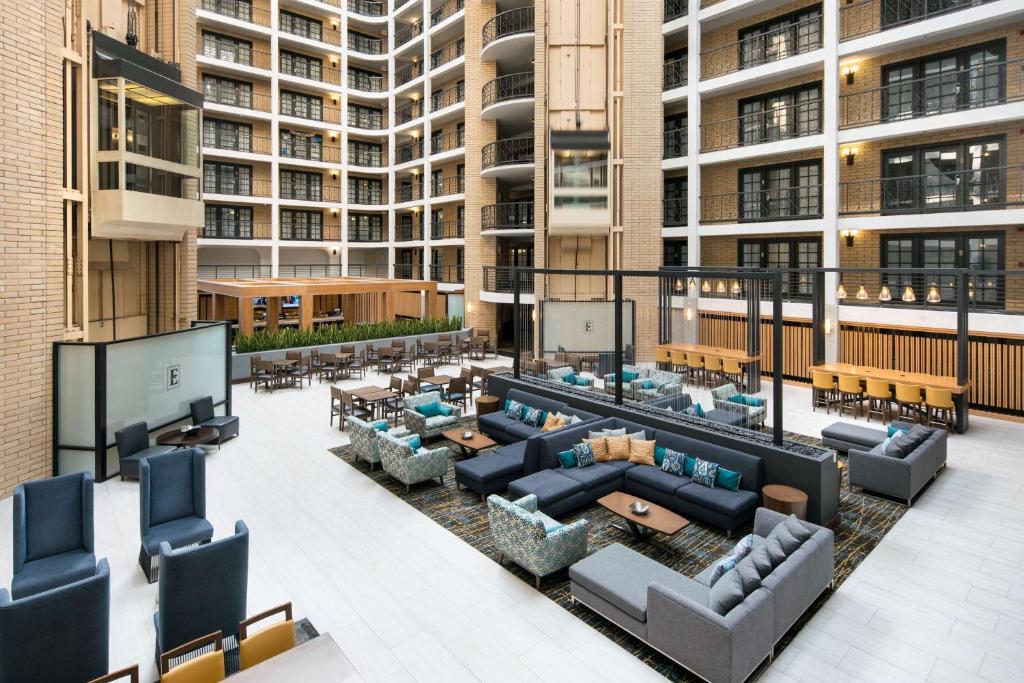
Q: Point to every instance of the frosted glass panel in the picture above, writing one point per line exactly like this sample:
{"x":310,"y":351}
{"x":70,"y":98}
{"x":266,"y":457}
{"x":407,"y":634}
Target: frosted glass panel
{"x":584,"y":325}
{"x":76,"y":395}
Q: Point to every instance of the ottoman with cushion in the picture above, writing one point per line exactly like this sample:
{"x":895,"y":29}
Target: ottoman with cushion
{"x":550,"y":487}
{"x":844,"y":436}
{"x":726,"y":417}
{"x":491,"y":472}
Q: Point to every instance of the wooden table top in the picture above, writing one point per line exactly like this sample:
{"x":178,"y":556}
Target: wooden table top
{"x":176,"y":437}
{"x":317,"y":660}
{"x":477,"y":441}
{"x":738,"y":355}
{"x":657,"y":518}
{"x":783,"y":493}
{"x":285,"y":362}
{"x":437,"y":379}
{"x":372,"y":393}
{"x":895,"y":376}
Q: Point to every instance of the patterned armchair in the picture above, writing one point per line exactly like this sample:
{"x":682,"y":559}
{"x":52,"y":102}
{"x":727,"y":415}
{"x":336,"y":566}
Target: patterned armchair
{"x":531,"y":539}
{"x":364,"y":438}
{"x":630,"y":389}
{"x":754,"y":416}
{"x":409,"y":466}
{"x":665,"y":384}
{"x":428,"y":427}
{"x":559,"y":374}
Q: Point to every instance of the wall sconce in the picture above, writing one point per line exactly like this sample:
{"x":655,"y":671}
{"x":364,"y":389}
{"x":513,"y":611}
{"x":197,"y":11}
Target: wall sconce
{"x":533,"y":315}
{"x":850,"y":153}
{"x":334,"y":252}
{"x":736,"y":288}
{"x":334,"y":175}
{"x":469,"y":307}
{"x":679,"y":283}
{"x":334,"y":136}
{"x":693,"y":283}
{"x":828,"y":325}
{"x":334,"y":212}
{"x":840,"y":292}
{"x":115,"y":135}
{"x":849,"y":71}
{"x":862,"y":294}
{"x":885,"y":294}
{"x":689,"y":313}
{"x":849,"y":235}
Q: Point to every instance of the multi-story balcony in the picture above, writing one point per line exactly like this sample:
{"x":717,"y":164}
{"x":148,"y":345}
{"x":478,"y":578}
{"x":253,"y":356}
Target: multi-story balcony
{"x":453,"y":139}
{"x":309,"y":192}
{"x":448,"y":97}
{"x":763,"y":48}
{"x":409,"y":112}
{"x":510,"y":23}
{"x":674,"y":212}
{"x":447,"y":9}
{"x":311,"y":30}
{"x":366,"y":83}
{"x":675,"y":9}
{"x":240,"y":140}
{"x":408,"y":233}
{"x":440,"y":187}
{"x":244,"y":99}
{"x":448,"y":53}
{"x":507,"y":216}
{"x":237,"y":9}
{"x":369,"y":158}
{"x":409,"y":193}
{"x":510,"y":157}
{"x":788,"y":203}
{"x":312,"y":111}
{"x":235,"y":185}
{"x":872,"y":16}
{"x":365,"y":197}
{"x":234,"y":272}
{"x":310,"y":70}
{"x":450,"y":229}
{"x":410,"y":151}
{"x":952,"y":190}
{"x":368,"y":270}
{"x":407,"y":271}
{"x":235,"y":53}
{"x":307,"y":148}
{"x":235,"y":230}
{"x":368,"y":8}
{"x":508,"y":96}
{"x":449,"y":274}
{"x":407,"y":33}
{"x":778,"y":123}
{"x":310,"y":233}
{"x":367,"y":233}
{"x":498,"y":279}
{"x":674,"y":144}
{"x":408,"y":73}
{"x":674,"y":73}
{"x":365,"y":45}
{"x":365,"y":119}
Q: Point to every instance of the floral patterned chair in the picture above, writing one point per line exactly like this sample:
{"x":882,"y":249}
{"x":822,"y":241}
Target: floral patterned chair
{"x":430,"y":426}
{"x":531,"y":539}
{"x":630,"y":388}
{"x":364,"y":438}
{"x":664,"y":384}
{"x":753,"y":416}
{"x":410,"y":465}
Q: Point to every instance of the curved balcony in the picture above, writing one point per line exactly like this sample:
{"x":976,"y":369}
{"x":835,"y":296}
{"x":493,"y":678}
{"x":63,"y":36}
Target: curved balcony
{"x":513,"y":216}
{"x":372,"y":47}
{"x":508,"y":97}
{"x":448,"y":9}
{"x":508,"y":34}
{"x":511,"y":159}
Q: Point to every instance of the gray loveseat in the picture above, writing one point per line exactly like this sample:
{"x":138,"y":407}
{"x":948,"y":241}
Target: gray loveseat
{"x":504,"y":429}
{"x":720,"y":633}
{"x":901,"y":478}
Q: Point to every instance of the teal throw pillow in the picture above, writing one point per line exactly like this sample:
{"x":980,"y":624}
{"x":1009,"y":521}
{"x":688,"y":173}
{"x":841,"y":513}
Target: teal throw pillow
{"x":414,"y":441}
{"x":583,"y":381}
{"x":892,"y":430}
{"x":659,"y":455}
{"x":570,"y":378}
{"x":444,"y":410}
{"x":694,"y":411}
{"x":629,"y":376}
{"x":691,"y":462}
{"x":727,"y":479}
{"x":755,"y":401}
{"x":705,"y":473}
{"x":429,"y":409}
{"x":584,"y":454}
{"x":647,"y":384}
{"x":568,"y":459}
{"x":737,"y":399}
{"x":674,"y":463}
{"x":532,"y":416}
{"x":380,"y":425}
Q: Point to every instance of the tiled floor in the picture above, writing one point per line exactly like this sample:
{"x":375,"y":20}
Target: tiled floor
{"x":940,"y":599}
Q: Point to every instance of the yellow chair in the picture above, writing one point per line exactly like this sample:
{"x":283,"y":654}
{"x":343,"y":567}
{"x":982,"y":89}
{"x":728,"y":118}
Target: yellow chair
{"x":712,"y":370}
{"x":940,"y":407}
{"x":695,"y":367}
{"x":678,"y":360}
{"x":733,"y":371}
{"x":908,"y":401}
{"x":850,"y":395}
{"x":267,"y":642}
{"x":879,"y":399}
{"x":662,"y":359}
{"x":129,"y":673}
{"x":823,"y":390}
{"x":206,"y":668}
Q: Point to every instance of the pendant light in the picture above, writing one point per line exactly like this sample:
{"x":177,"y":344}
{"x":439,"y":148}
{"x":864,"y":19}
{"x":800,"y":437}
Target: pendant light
{"x":862,"y":294}
{"x":705,"y":286}
{"x":693,"y":283}
{"x":720,"y":289}
{"x":736,"y":288}
{"x":885,"y":294}
{"x":933,"y":294}
{"x":908,"y":295}
{"x":841,"y":292}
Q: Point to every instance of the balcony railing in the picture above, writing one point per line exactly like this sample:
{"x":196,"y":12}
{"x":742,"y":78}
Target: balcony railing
{"x":675,"y":73}
{"x":441,"y":187}
{"x":498,"y":279}
{"x":966,"y":190}
{"x":407,"y":271}
{"x":366,"y":197}
{"x":313,"y":72}
{"x":244,"y":272}
{"x":365,"y":120}
{"x":407,"y":33}
{"x":450,"y":229}
{"x":365,"y":45}
{"x":447,"y":53}
{"x":310,"y":270}
{"x":409,"y":193}
{"x":782,"y":123}
{"x":238,"y":187}
{"x":507,"y":152}
{"x":408,"y":233}
{"x":453,"y":139}
{"x":509,"y":23}
{"x":410,"y":151}
{"x":675,"y":9}
{"x":675,"y":144}
{"x":309,"y":193}
{"x":313,"y":113}
{"x":310,"y":233}
{"x":507,"y":216}
{"x":674,"y":212}
{"x":409,"y":112}
{"x":367,"y":8}
{"x":764,"y":48}
{"x":872,"y":16}
{"x":244,"y":100}
{"x":448,"y":97}
{"x":238,"y":54}
{"x":312,"y":31}
{"x":986,"y":85}
{"x":446,"y":10}
{"x":368,"y":270}
{"x":238,"y":9}
{"x":450,"y":274}
{"x":243,"y":230}
{"x":510,"y":87}
{"x":366,"y":83}
{"x":791,"y":203}
{"x":369,"y":158}
{"x":310,"y":152}
{"x":240,"y":141}
{"x":367,"y":233}
{"x":408,"y":72}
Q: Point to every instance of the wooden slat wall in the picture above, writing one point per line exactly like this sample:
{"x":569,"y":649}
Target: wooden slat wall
{"x":729,"y":330}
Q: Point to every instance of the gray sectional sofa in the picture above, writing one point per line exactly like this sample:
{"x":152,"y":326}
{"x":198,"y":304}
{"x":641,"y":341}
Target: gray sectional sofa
{"x":721,"y":632}
{"x":899,"y":477}
{"x":504,"y":429}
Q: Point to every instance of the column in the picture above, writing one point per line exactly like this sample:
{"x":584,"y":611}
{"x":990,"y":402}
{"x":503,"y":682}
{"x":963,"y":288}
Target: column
{"x":273,"y":312}
{"x":830,"y":173}
{"x":306,"y":312}
{"x":245,"y":325}
{"x":691,"y":303}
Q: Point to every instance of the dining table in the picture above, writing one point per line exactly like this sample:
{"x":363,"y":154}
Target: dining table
{"x":318,"y":660}
{"x":372,"y":396}
{"x":739,"y":355}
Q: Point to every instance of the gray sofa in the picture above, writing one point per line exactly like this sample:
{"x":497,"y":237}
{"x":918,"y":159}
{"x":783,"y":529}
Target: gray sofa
{"x":901,"y":478}
{"x":723,"y":632}
{"x":504,"y":429}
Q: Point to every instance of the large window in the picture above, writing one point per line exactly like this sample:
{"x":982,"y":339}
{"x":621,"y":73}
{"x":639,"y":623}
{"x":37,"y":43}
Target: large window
{"x":227,"y":135}
{"x":365,"y":190}
{"x":965,"y":79}
{"x":228,"y":222}
{"x":228,"y":48}
{"x":301,"y":185}
{"x":784,"y":254}
{"x":975,"y":251}
{"x":781,"y":37}
{"x":366,"y":227}
{"x":674,"y":201}
{"x":675,"y":136}
{"x":951,"y":176}
{"x":297,"y":145}
{"x":365,"y":153}
{"x":365,"y":117}
{"x":302,"y":66}
{"x":227,"y":91}
{"x":221,"y":178}
{"x":298,"y":25}
{"x":779,"y":192}
{"x":779,"y":115}
{"x":302,"y":225}
{"x":302,"y":105}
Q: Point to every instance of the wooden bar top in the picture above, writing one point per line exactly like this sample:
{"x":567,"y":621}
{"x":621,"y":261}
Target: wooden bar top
{"x":895,"y":376}
{"x":735,"y":354}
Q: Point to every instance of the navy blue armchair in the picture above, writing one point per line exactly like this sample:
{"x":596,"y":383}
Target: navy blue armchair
{"x":172,"y":504}
{"x":202,"y":590}
{"x":132,"y":446}
{"x":202,"y":415}
{"x":61,"y":634}
{"x":53,"y":533}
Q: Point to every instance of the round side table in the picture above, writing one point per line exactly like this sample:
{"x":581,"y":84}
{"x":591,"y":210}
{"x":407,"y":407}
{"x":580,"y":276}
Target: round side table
{"x":785,"y":499}
{"x":486,"y":404}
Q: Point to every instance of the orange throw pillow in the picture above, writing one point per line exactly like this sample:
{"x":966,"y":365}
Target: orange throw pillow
{"x":552,"y":423}
{"x":600,"y":448}
{"x":618,"y":447}
{"x":641,"y":452}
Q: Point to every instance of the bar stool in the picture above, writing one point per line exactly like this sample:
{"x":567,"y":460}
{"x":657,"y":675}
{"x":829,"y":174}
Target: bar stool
{"x":823,"y":390}
{"x":850,"y":391}
{"x":678,"y":360}
{"x":694,"y":366}
{"x":908,"y":401}
{"x":879,"y":399}
{"x":662,"y":358}
{"x":712,"y":370}
{"x":940,"y":407}
{"x":733,"y":371}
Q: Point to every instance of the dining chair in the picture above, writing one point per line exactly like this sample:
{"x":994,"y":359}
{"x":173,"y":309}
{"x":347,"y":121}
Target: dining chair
{"x":328,"y":367}
{"x":253,"y":362}
{"x":336,"y":399}
{"x":349,"y":406}
{"x":357,"y":364}
{"x":940,"y":407}
{"x":695,"y":367}
{"x":129,"y":674}
{"x":909,"y":402}
{"x":879,"y":399}
{"x":267,"y":642}
{"x":266,"y":374}
{"x":404,"y":361}
{"x":662,"y":358}
{"x":477,"y":348}
{"x":316,"y":364}
{"x":823,"y":390}
{"x":485,"y":374}
{"x":411,"y":386}
{"x":206,"y":668}
{"x":373,"y":356}
{"x":471,"y":381}
{"x":457,"y":392}
{"x":712,"y":370}
{"x":678,"y":361}
{"x":851,"y":394}
{"x":422,"y":374}
{"x":299,"y":371}
{"x":732,"y":370}
{"x":431,"y":355}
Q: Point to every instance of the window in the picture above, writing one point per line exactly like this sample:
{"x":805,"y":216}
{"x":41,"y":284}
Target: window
{"x":361,"y":79}
{"x":778,"y":192}
{"x":363,"y":227}
{"x":783,"y":254}
{"x":222,"y":178}
{"x":365,"y":190}
{"x":953,"y":81}
{"x":298,"y":25}
{"x":975,"y":251}
{"x":675,"y":201}
{"x":227,"y":135}
{"x":217,"y":46}
{"x":296,"y":145}
{"x":227,"y":91}
{"x":896,"y":12}
{"x":365,"y":117}
{"x":781,"y":115}
{"x":364,"y":153}
{"x":301,"y":185}
{"x":781,"y":37}
{"x":302,"y":225}
{"x":302,"y":105}
{"x":230,"y":222}
{"x":675,"y":136}
{"x":239,"y":9}
{"x":302,"y":66}
{"x":952,"y":176}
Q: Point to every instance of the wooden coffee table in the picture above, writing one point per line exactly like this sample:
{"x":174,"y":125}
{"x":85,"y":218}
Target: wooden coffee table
{"x":471,"y":446}
{"x":181,"y":439}
{"x":657,"y":520}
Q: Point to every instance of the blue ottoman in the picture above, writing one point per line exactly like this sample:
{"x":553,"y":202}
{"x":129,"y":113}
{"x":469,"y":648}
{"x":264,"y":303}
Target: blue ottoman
{"x":491,"y":472}
{"x":550,"y":487}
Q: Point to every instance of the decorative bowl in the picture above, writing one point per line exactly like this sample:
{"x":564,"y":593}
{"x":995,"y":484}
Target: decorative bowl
{"x":639,"y":508}
{"x":467,"y":435}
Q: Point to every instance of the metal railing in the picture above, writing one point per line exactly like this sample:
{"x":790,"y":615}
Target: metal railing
{"x":440,"y":187}
{"x":312,"y":71}
{"x":510,"y":87}
{"x":242,"y":99}
{"x":368,"y":8}
{"x":675,"y":73}
{"x":675,"y":144}
{"x":367,"y":233}
{"x":507,"y":152}
{"x":509,"y":23}
{"x":446,"y":10}
{"x":243,"y":272}
{"x":447,"y":53}
{"x":453,"y":139}
{"x":366,"y":45}
{"x":242,"y":230}
{"x":238,"y":9}
{"x":239,"y":187}
{"x":238,"y":54}
{"x":986,"y":85}
{"x":507,"y":216}
{"x":367,"y":270}
{"x":366,"y":83}
{"x":409,"y":112}
{"x":408,"y":233}
{"x":450,"y":229}
{"x":407,"y":33}
{"x":310,"y":152}
{"x":311,"y":111}
{"x":309,"y":233}
{"x":409,"y":193}
{"x":369,"y":158}
{"x":410,"y":151}
{"x":408,"y":72}
{"x":309,"y":270}
{"x":312,"y":31}
{"x":791,"y":203}
{"x":305,"y":192}
{"x":240,"y":141}
{"x":366,"y":197}
{"x":764,"y":48}
{"x":673,"y":212}
{"x":872,"y":16}
{"x":407,"y":271}
{"x":675,"y":9}
{"x":965,"y":190}
{"x":498,"y":279}
{"x":448,"y":97}
{"x":450,"y":274}
{"x":781,"y":123}
{"x":366,"y":120}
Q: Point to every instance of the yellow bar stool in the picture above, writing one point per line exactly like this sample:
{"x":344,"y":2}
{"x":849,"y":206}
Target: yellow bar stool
{"x":695,"y":367}
{"x":850,"y":395}
{"x":879,"y":399}
{"x":823,"y":390}
{"x":940,"y":407}
{"x":662,"y":359}
{"x":908,"y":401}
{"x":733,"y":371}
{"x":678,"y":361}
{"x":712,"y":370}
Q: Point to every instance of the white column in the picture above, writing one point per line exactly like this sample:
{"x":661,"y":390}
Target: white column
{"x":692,"y":300}
{"x":830,"y":170}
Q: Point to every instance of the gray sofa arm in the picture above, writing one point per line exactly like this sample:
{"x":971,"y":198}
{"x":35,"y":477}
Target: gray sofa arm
{"x":765,"y":520}
{"x":879,"y":473}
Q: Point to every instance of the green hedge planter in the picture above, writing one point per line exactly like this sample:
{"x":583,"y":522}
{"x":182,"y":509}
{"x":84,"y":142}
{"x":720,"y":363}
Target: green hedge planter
{"x":289,"y":338}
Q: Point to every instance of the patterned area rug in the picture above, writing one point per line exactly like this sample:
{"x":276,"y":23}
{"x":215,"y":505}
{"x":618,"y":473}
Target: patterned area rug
{"x":862,"y":523}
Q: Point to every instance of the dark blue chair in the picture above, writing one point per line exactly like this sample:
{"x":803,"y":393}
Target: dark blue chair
{"x":132,"y":446}
{"x":202,"y":590}
{"x":53,"y":533}
{"x":172,"y":504}
{"x":202,"y":415}
{"x":58,"y":635}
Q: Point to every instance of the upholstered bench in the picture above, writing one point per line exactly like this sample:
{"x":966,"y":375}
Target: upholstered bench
{"x":843,"y":436}
{"x":491,"y":472}
{"x":728,"y":417}
{"x":550,"y":487}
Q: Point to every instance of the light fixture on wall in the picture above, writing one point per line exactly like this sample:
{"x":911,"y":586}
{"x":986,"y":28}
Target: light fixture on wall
{"x":840,"y":292}
{"x":933,"y":295}
{"x":689,"y":313}
{"x":679,"y":283}
{"x":862,"y":294}
{"x":705,"y":286}
{"x":885,"y":294}
{"x":849,"y":235}
{"x":828,"y":325}
{"x":850,"y":71}
{"x":908,"y":295}
{"x":469,"y":307}
{"x":851,"y":154}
